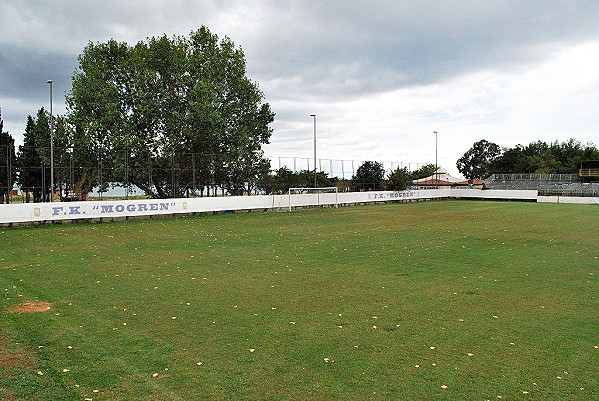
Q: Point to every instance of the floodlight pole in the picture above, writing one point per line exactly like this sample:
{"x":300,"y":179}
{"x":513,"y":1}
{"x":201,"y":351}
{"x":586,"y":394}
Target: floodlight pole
{"x":314,"y":117}
{"x":436,"y":165}
{"x":51,"y":145}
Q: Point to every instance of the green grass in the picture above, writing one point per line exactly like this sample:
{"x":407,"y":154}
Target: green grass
{"x":490,"y":299}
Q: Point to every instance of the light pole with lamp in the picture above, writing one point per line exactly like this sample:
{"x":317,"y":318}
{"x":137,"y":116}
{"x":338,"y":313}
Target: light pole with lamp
{"x":436,"y":165}
{"x":51,"y":145}
{"x":314,"y":117}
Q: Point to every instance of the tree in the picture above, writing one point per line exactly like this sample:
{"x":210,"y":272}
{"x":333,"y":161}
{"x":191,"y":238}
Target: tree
{"x":398,"y":180}
{"x":30,"y":164}
{"x":424,"y":171}
{"x":7,"y":161}
{"x":284,"y":178}
{"x":540,"y":157}
{"x":41,"y":133}
{"x":156,"y":103}
{"x":510,"y":161}
{"x":369,"y":176}
{"x":476,"y":161}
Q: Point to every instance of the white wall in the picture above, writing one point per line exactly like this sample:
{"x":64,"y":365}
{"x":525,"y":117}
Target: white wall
{"x":568,"y":199}
{"x":530,"y":195}
{"x":108,"y":210}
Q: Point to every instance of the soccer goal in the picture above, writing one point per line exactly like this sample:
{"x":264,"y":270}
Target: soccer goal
{"x":313,"y":197}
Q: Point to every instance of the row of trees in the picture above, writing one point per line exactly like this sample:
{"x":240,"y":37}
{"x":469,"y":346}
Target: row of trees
{"x":486,"y":158}
{"x":370,"y":176}
{"x":30,"y":166}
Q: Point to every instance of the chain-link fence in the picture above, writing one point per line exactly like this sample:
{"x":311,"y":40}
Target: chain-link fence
{"x":79,"y":175}
{"x":342,"y":169}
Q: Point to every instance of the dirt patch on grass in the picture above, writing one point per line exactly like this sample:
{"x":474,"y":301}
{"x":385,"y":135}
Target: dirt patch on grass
{"x":6,"y":395}
{"x":31,"y":307}
{"x":10,"y":359}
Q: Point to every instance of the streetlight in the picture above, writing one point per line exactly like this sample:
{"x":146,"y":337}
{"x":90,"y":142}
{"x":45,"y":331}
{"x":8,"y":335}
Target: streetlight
{"x":314,"y":117}
{"x":51,"y":145}
{"x":436,"y":165}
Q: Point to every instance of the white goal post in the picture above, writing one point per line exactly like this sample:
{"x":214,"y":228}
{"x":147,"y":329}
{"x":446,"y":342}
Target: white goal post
{"x":313,"y":196}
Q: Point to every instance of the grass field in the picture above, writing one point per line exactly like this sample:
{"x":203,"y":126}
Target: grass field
{"x":451,"y":300}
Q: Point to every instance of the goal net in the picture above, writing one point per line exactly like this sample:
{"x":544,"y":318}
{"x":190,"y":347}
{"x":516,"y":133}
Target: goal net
{"x":299,"y":197}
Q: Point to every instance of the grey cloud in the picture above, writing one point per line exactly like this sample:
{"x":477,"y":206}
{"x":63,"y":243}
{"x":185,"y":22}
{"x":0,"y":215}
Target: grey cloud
{"x":301,"y":52}
{"x":24,"y":73}
{"x":387,"y":45}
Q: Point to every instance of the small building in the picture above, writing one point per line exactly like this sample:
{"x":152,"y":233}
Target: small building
{"x":589,"y":170}
{"x":442,"y":180}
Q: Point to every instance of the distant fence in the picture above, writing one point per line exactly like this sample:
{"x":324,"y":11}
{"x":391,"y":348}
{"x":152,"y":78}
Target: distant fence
{"x":194,"y":174}
{"x":343,"y":169}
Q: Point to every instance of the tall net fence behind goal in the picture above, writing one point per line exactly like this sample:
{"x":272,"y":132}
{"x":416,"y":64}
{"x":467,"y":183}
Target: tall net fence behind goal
{"x":313,"y":197}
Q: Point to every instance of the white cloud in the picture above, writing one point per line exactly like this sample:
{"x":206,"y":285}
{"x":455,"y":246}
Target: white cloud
{"x":555,"y":100}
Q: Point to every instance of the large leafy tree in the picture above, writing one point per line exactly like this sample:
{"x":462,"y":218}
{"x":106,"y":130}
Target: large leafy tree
{"x":476,"y":161}
{"x":157,"y":103}
{"x":510,"y":160}
{"x":370,"y":176}
{"x":7,"y":163}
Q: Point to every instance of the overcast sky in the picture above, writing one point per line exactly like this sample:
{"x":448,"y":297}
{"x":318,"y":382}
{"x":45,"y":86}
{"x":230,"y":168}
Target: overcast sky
{"x":381,"y":76}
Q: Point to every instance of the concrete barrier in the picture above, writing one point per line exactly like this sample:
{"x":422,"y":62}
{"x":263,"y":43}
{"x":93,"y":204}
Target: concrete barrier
{"x":35,"y":213}
{"x":569,"y":199}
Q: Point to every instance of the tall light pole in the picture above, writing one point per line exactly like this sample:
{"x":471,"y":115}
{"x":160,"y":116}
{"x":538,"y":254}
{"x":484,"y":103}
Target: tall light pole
{"x":436,"y":165}
{"x":51,"y":145}
{"x":314,"y":117}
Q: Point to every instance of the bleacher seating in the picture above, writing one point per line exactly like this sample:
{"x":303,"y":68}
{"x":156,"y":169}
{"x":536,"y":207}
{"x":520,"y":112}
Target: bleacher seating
{"x":546,"y":184}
